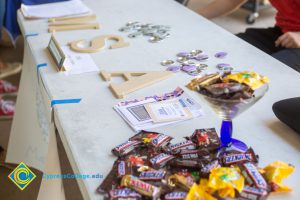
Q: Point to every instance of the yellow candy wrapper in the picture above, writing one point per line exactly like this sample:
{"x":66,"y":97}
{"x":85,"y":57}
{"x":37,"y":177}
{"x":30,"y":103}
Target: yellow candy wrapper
{"x":225,"y":180}
{"x":200,"y":192}
{"x":252,"y":79}
{"x":275,"y":172}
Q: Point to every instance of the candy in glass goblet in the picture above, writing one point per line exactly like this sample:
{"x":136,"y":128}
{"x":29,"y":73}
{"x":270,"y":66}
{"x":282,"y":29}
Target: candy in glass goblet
{"x":228,"y":109}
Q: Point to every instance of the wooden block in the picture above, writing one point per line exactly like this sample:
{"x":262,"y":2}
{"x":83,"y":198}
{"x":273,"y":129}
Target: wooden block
{"x":134,"y":80}
{"x":52,"y":29}
{"x":66,"y":23}
{"x":98,"y":43}
{"x":84,"y":18}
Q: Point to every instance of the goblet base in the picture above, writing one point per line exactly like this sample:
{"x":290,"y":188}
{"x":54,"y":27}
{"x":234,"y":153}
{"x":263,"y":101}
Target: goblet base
{"x":236,"y":145}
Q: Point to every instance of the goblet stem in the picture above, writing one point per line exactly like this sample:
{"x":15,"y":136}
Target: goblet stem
{"x":226,"y":133}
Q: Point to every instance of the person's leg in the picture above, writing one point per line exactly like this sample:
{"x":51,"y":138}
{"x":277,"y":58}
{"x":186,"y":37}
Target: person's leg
{"x":262,"y":38}
{"x":290,"y":57}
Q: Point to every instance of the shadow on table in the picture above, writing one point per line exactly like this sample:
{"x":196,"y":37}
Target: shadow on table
{"x":290,"y":136}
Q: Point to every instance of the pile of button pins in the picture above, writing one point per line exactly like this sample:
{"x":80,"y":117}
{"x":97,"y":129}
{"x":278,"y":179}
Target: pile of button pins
{"x":187,"y":62}
{"x":155,"y":32}
{"x":149,"y":166}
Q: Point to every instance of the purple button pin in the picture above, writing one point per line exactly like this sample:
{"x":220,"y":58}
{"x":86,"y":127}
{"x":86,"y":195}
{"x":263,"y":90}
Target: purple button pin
{"x":173,"y":68}
{"x":189,"y":68}
{"x":201,"y":57}
{"x":183,"y":54}
{"x":222,"y":65}
{"x":221,"y":54}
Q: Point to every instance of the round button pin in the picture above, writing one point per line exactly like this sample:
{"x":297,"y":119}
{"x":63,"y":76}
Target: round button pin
{"x":173,"y":68}
{"x":201,"y":57}
{"x":195,"y":52}
{"x":166,"y":62}
{"x":183,"y":54}
{"x":221,"y":54}
{"x":189,"y":68}
{"x":222,"y":65}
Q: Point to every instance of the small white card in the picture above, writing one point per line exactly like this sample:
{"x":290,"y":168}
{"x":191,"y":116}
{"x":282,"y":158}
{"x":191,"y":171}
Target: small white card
{"x":78,"y":63}
{"x":169,"y":110}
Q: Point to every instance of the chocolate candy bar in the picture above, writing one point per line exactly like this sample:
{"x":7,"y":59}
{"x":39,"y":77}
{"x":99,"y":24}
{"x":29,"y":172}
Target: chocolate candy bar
{"x":219,"y":89}
{"x":125,"y":148}
{"x":161,"y":160}
{"x":140,"y":136}
{"x":110,"y":180}
{"x":175,"y":148}
{"x":248,"y":156}
{"x":195,"y":163}
{"x":125,"y":193}
{"x":252,"y":175}
{"x":124,"y":168}
{"x":253,"y":193}
{"x":175,"y":196}
{"x":152,"y":175}
{"x":189,"y":154}
{"x":160,"y":140}
{"x":183,"y":182}
{"x":208,"y":167}
{"x":198,"y":83}
{"x":206,"y":138}
{"x":140,"y":186}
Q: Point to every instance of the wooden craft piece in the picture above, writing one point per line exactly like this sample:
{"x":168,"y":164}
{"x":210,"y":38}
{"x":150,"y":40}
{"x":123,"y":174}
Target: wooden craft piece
{"x":66,"y":23}
{"x":134,"y":80}
{"x":73,"y":27}
{"x":84,"y":18}
{"x":98,"y":43}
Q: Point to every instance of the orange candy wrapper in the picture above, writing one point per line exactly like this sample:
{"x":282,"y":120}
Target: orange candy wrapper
{"x":275,"y":172}
{"x":252,"y":79}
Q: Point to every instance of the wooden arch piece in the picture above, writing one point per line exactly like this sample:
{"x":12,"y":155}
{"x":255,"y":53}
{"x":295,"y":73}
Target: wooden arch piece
{"x":134,"y":80}
{"x":98,"y":43}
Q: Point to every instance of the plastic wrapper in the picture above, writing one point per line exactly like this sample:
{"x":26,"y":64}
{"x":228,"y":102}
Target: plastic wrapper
{"x":275,"y":172}
{"x":225,"y":181}
{"x":252,"y":79}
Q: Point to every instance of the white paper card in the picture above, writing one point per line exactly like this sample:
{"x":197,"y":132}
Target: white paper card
{"x":135,"y":114}
{"x":78,"y":63}
{"x":169,"y":110}
{"x":58,"y":9}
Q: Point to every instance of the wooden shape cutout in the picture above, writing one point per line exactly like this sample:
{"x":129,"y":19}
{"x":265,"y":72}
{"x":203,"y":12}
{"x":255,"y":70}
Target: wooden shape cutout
{"x":98,"y":43}
{"x":53,"y":29}
{"x":134,"y":80}
{"x":84,"y":18}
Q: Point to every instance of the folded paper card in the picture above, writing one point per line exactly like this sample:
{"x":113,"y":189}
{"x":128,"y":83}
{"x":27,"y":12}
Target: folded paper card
{"x":60,"y":9}
{"x":135,"y":112}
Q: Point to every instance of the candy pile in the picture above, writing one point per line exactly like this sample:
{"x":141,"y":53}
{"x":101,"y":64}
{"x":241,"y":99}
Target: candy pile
{"x":155,"y":32}
{"x":149,"y":166}
{"x":228,"y":85}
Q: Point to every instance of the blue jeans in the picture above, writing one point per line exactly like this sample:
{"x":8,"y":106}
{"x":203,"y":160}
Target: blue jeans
{"x":264,"y":39}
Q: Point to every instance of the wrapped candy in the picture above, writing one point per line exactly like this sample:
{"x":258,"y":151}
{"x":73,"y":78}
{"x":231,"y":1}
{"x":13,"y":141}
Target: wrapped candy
{"x":201,"y":191}
{"x":275,"y":172}
{"x":225,"y":180}
{"x":184,"y":182}
{"x":252,"y":79}
{"x":140,"y":186}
